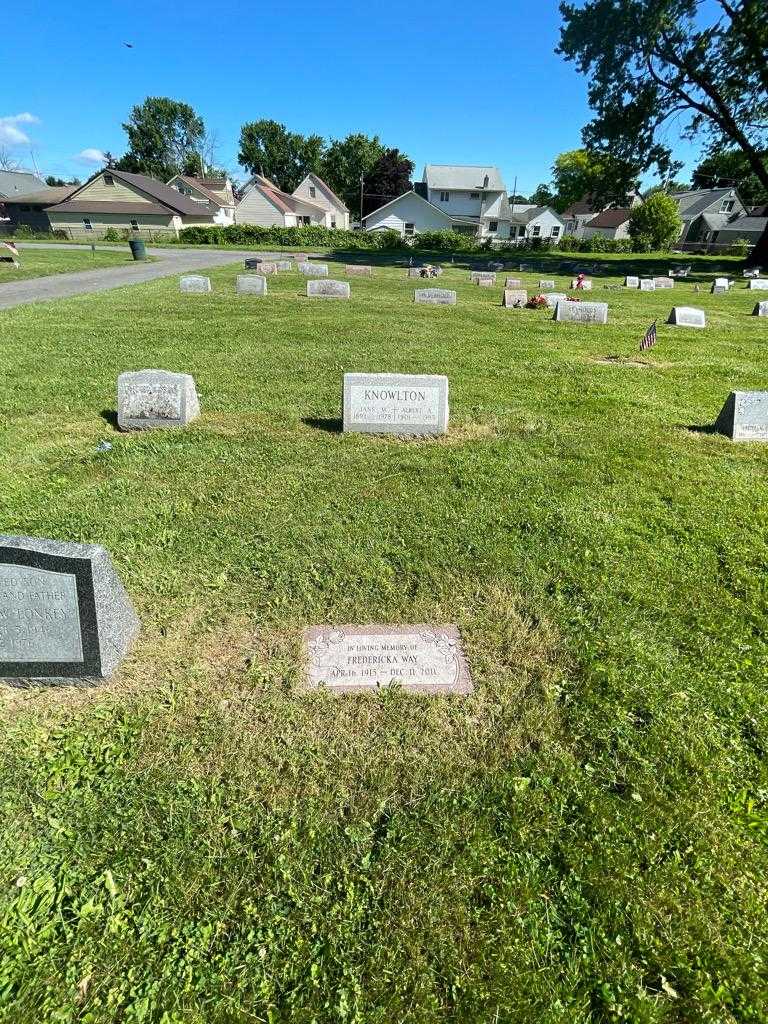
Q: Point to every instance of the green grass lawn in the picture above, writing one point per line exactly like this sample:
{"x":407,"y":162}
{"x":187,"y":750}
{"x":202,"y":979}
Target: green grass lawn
{"x":42,"y":262}
{"x":585,"y":839}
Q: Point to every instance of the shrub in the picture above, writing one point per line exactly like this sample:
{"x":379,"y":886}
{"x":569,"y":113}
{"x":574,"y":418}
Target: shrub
{"x":112,"y":235}
{"x":655,"y":224}
{"x":23,"y":231}
{"x":740,"y":247}
{"x":569,"y":243}
{"x":446,"y":241}
{"x":313,"y":235}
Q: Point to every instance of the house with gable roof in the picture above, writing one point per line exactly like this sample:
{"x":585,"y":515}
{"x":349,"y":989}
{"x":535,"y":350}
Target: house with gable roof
{"x":313,"y":202}
{"x":313,"y":189}
{"x":215,"y":195}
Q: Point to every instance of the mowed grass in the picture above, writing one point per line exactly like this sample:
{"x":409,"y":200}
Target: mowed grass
{"x":43,"y":262}
{"x":585,"y":839}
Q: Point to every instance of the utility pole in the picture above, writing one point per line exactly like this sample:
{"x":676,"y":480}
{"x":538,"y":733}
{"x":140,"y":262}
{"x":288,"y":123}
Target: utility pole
{"x":512,"y":225}
{"x":361,"y":201}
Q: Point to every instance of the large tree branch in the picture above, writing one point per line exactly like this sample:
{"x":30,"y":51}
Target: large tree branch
{"x":748,"y":32}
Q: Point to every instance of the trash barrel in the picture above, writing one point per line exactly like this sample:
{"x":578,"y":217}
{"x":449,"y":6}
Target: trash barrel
{"x":138,"y":249}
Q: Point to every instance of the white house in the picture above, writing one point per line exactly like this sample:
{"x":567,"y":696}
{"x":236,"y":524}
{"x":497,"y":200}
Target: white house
{"x":410,"y":214}
{"x":525,"y":221}
{"x":609,"y":224}
{"x":214,"y":195}
{"x":313,"y":189}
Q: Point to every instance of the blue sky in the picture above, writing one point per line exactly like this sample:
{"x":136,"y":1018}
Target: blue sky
{"x":444,"y":82}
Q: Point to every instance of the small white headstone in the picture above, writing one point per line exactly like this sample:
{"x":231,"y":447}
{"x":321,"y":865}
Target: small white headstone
{"x":664,"y":282}
{"x":552,"y":298}
{"x":194,"y":284}
{"x":687,"y":316}
{"x":482,"y":277}
{"x":358,"y":270}
{"x":435,"y":296}
{"x":251,"y":284}
{"x":328,"y":289}
{"x":313,"y":269}
{"x":155,"y":400}
{"x":284,"y":264}
{"x":395,"y":403}
{"x":744,"y":417}
{"x":761,"y":309}
{"x":631,"y":282}
{"x":586,"y":286}
{"x":582,"y":312}
{"x":514,"y":298}
{"x":358,"y":659}
{"x":647,"y":284}
{"x":546,"y":283}
{"x":759,"y":284}
{"x":513,"y":282}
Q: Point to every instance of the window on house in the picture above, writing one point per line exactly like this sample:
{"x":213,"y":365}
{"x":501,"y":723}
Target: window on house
{"x":312,"y":191}
{"x":410,"y":229}
{"x":493,"y":225}
{"x":714,"y":236}
{"x":555,"y":232}
{"x":134,"y":225}
{"x":108,"y":179}
{"x":474,"y":195}
{"x":444,"y":197}
{"x":87,"y":224}
{"x":521,"y":231}
{"x":333,"y":222}
{"x":536,"y":230}
{"x":727,"y":206}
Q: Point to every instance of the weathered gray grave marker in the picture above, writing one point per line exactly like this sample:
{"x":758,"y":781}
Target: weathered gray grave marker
{"x":155,"y":400}
{"x":631,"y":282}
{"x":64,"y":614}
{"x":328,"y":289}
{"x":552,"y":298}
{"x":758,"y":284}
{"x":250,"y":284}
{"x":409,"y":405}
{"x":546,"y":283}
{"x":687,"y":316}
{"x":482,"y":277}
{"x":582,"y":312}
{"x":647,"y":284}
{"x":195,"y":284}
{"x":514,"y":298}
{"x":313,"y":269}
{"x":586,"y":285}
{"x":761,"y":309}
{"x":359,"y":659}
{"x":744,"y":417}
{"x":357,"y":270}
{"x":664,"y":282}
{"x":435,"y":296}
{"x":513,"y":282}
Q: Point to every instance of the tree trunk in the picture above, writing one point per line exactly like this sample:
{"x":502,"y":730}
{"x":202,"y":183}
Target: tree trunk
{"x":759,"y":255}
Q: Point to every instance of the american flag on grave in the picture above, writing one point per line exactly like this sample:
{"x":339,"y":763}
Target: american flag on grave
{"x":649,"y":338}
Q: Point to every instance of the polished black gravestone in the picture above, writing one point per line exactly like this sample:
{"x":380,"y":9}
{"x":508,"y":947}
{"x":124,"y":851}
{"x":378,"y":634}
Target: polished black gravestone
{"x":64,"y":614}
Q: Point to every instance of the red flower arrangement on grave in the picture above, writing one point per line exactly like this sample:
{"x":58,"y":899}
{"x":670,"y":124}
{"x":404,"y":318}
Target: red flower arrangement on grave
{"x":536,"y":302}
{"x":573,"y":298}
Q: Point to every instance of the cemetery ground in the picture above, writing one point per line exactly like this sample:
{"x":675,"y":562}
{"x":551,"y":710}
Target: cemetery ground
{"x":42,"y":262}
{"x":584,"y":839}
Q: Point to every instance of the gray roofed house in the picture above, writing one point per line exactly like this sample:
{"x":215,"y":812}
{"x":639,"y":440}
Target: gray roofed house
{"x":18,"y":183}
{"x":463,"y":177}
{"x":701,"y":211}
{"x":30,"y":209}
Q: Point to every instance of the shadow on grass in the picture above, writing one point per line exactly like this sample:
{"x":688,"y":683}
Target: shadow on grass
{"x":702,"y":428}
{"x":330,"y":426}
{"x":109,"y":416}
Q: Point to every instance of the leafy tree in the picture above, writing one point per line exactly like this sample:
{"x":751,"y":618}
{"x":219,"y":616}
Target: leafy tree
{"x":389,"y":178}
{"x":730,"y":167}
{"x":347,"y":159}
{"x":581,"y":172}
{"x":650,"y":61}
{"x":655,"y":224}
{"x":163,"y":134}
{"x":543,"y":196}
{"x":268,"y":148}
{"x":55,"y":182}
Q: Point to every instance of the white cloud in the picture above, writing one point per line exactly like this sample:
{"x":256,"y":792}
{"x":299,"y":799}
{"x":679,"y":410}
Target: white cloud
{"x":11,"y":134}
{"x":91,"y":156}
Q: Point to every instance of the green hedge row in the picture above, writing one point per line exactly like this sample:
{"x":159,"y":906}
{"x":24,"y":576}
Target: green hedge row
{"x":312,"y":236}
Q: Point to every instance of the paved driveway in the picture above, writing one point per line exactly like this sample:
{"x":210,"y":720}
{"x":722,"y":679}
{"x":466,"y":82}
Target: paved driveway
{"x":81,"y":282}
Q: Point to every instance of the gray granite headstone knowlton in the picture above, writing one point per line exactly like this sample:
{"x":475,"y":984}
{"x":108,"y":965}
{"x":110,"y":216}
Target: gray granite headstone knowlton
{"x":514,"y":298}
{"x":251,"y":284}
{"x":761,"y":309}
{"x":358,"y":270}
{"x":358,"y":659}
{"x":687,"y":316}
{"x":328,"y":289}
{"x":155,"y":399}
{"x":195,"y":284}
{"x":582,"y":312}
{"x":744,"y":417}
{"x":64,"y":614}
{"x":435,"y":296}
{"x":631,"y":282}
{"x":313,"y":269}
{"x":759,"y":284}
{"x":408,"y":405}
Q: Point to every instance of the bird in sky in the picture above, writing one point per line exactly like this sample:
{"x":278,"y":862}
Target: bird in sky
{"x":129,"y":45}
